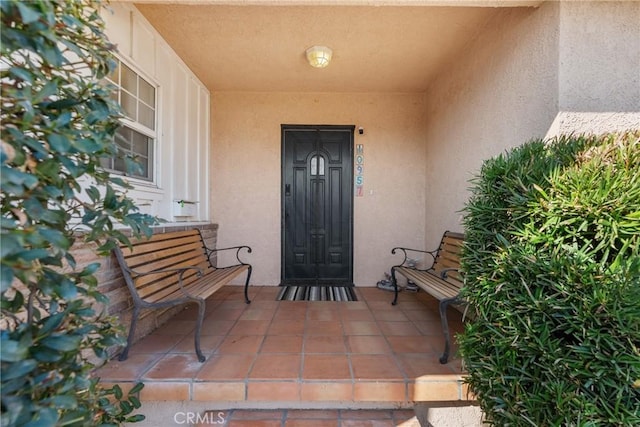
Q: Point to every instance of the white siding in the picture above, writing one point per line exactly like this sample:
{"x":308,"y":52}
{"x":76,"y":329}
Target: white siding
{"x":203,"y":154}
{"x":183,"y":116}
{"x":191,"y":150}
{"x":180,"y":132}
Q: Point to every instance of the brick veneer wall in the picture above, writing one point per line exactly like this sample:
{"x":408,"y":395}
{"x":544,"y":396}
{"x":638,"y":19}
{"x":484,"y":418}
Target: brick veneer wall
{"x":111,"y":282}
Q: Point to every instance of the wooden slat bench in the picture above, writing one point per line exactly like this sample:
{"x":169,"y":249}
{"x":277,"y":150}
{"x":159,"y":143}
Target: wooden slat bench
{"x":442,"y":279}
{"x":175,"y":268}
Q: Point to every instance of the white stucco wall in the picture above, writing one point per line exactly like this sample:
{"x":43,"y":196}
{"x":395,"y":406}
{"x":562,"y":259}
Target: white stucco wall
{"x":599,"y":67}
{"x":563,"y":67}
{"x":182,"y":149}
{"x":599,"y":51}
{"x":246,"y":172}
{"x":498,"y":93}
{"x":531,"y":72}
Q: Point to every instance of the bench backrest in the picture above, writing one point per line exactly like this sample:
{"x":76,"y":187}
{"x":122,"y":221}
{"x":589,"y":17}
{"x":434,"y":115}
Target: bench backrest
{"x":162,"y":251}
{"x":448,"y":256}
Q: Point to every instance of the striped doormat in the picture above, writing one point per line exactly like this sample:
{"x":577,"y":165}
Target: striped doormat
{"x":317,"y":293}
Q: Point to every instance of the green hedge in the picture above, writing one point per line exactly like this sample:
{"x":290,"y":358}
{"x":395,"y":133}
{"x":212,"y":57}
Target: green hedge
{"x":58,"y":124}
{"x":552,"y":264}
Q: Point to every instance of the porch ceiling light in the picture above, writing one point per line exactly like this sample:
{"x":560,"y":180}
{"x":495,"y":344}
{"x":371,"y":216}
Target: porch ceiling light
{"x":319,"y":56}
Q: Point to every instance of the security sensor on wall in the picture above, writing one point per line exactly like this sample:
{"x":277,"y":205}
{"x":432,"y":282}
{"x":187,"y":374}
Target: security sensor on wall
{"x":361,"y":130}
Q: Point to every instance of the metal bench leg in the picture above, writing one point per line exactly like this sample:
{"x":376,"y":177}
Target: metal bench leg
{"x":201,"y":307}
{"x":445,"y":328}
{"x":246,"y":287}
{"x":395,"y":286}
{"x":132,"y":332}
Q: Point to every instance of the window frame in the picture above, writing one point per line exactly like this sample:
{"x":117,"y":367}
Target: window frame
{"x":137,"y":126}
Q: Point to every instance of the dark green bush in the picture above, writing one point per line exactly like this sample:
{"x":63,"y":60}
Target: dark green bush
{"x":57,"y":123}
{"x":552,"y":262}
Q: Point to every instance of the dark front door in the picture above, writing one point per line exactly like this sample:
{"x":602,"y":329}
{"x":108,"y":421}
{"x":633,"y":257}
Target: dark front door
{"x":317,"y":204}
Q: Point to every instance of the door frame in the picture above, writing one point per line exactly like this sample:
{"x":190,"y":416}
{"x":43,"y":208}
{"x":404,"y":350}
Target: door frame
{"x":283,"y":128}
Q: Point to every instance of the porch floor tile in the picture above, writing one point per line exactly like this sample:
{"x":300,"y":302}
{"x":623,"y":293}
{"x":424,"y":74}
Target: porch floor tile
{"x":298,"y":354}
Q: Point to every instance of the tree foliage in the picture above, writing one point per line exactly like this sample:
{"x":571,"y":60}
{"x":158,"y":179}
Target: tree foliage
{"x":58,"y":122}
{"x":552,"y":262}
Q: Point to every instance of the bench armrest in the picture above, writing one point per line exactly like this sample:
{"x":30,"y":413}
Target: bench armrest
{"x":405,"y":253}
{"x":445,"y":272}
{"x":211,"y":252}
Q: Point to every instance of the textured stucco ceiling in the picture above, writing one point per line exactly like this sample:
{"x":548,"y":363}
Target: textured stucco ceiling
{"x":256,"y":47}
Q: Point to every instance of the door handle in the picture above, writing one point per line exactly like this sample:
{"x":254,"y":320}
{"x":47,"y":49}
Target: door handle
{"x":287,"y":189}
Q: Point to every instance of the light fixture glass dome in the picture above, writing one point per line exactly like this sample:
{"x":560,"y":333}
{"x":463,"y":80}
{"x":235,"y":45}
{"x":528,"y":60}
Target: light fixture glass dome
{"x":319,"y":56}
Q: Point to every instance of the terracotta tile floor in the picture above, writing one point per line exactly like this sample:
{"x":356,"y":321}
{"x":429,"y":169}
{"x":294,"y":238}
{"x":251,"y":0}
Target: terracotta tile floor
{"x":297,"y":354}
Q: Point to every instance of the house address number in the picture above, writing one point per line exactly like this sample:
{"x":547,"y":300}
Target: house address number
{"x":359,"y":175}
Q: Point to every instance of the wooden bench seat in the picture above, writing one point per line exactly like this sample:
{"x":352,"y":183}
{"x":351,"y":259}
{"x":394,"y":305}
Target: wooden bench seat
{"x":441,"y":279}
{"x":175,"y":268}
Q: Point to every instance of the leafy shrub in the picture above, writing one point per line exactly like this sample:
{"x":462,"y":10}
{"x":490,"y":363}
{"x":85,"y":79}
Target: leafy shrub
{"x":58,"y":122}
{"x":552,"y":262}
